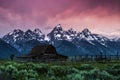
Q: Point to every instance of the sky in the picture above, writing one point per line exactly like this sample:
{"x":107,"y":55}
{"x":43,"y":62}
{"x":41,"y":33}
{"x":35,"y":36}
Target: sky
{"x":100,"y":16}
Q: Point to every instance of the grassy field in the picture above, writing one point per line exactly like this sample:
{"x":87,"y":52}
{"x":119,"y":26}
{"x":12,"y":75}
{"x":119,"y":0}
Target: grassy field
{"x":12,"y":70}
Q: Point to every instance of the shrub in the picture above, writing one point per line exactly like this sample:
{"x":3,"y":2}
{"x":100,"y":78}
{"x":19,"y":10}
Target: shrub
{"x":2,"y":68}
{"x":61,"y":71}
{"x":31,"y":71}
{"x":23,"y":74}
{"x":86,"y":67}
{"x":94,"y":74}
{"x":55,"y":71}
{"x":11,"y":70}
{"x":42,"y":69}
{"x":114,"y":70}
{"x":102,"y":75}
{"x":26,"y":75}
{"x":75,"y":77}
{"x":54,"y":78}
{"x":71,"y":70}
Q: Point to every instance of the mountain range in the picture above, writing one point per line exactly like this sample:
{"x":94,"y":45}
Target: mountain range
{"x":67,"y":42}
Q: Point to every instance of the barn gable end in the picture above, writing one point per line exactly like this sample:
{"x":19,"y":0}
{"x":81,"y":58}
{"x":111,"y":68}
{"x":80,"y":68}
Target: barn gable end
{"x":44,"y":52}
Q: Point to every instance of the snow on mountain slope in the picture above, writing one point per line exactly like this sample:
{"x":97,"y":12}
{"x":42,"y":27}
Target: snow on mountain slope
{"x":84,"y":40}
{"x":59,"y":34}
{"x":88,"y":36}
{"x":85,"y":34}
{"x":69,"y":35}
{"x":34,"y":35}
{"x":13,"y":36}
{"x":56,"y":34}
{"x":19,"y":35}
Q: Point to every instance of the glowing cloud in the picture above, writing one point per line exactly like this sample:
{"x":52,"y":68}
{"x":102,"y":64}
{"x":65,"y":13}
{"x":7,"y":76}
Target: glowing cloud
{"x":100,"y":16}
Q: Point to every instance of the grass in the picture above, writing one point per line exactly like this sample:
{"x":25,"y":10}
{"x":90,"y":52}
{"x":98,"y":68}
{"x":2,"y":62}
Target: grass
{"x":76,"y":65}
{"x":73,"y":64}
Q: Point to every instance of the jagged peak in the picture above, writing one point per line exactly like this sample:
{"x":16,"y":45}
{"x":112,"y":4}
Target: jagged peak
{"x":15,"y":31}
{"x":38,"y":31}
{"x":71,"y":30}
{"x":28,"y":31}
{"x":59,"y":26}
{"x":86,"y":31}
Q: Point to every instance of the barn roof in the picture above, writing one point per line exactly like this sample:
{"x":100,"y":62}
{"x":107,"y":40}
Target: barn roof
{"x":38,"y":50}
{"x":42,"y":50}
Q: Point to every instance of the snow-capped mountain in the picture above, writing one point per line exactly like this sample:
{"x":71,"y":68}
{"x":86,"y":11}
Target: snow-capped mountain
{"x":13,"y":36}
{"x":70,"y":34}
{"x":88,"y":36}
{"x":56,"y":33}
{"x":85,"y":34}
{"x":59,"y":34}
{"x":84,"y":42}
{"x":34,"y":35}
{"x":18,"y":35}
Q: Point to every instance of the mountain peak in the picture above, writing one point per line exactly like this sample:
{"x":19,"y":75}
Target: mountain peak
{"x":56,"y":33}
{"x":57,"y":29}
{"x":71,"y":30}
{"x":28,"y":30}
{"x":86,"y":35}
{"x":59,"y":26}
{"x":17,"y":30}
{"x":86,"y":31}
{"x":39,"y":32}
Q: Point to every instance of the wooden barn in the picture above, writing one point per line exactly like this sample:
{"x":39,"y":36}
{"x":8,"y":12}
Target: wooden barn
{"x":43,"y":53}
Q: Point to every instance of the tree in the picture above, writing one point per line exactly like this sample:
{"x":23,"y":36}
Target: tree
{"x":12,"y":57}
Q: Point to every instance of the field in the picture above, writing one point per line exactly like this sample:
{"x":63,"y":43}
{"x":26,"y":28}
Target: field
{"x":12,"y":70}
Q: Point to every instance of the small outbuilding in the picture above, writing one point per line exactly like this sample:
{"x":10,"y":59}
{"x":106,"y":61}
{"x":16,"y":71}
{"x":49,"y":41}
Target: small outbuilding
{"x":44,"y":53}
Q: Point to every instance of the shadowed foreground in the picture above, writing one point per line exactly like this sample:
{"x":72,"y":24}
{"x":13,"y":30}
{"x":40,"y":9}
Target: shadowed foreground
{"x":11,"y":70}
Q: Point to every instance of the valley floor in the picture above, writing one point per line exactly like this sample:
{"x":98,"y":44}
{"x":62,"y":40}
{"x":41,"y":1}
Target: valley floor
{"x":12,"y":70}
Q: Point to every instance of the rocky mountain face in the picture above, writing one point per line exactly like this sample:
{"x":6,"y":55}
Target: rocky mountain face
{"x":17,"y":38}
{"x":6,"y":50}
{"x":67,"y":42}
{"x":18,"y":35}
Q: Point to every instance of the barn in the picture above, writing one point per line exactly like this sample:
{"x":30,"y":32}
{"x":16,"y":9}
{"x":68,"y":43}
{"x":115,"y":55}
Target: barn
{"x":43,"y":53}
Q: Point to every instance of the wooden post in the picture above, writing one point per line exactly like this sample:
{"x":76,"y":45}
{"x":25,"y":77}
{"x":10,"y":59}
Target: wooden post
{"x":117,"y":56}
{"x":75,"y":59}
{"x":79,"y":58}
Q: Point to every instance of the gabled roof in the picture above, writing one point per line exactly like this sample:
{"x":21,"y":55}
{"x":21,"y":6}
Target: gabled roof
{"x":39,"y":50}
{"x":44,"y":51}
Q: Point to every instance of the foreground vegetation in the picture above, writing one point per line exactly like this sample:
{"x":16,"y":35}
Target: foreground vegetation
{"x":11,"y":70}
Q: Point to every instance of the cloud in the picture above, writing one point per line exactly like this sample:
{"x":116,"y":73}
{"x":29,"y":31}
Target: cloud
{"x":50,"y":12}
{"x":41,"y":10}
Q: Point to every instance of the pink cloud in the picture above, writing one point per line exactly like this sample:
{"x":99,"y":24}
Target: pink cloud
{"x":94,"y":14}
